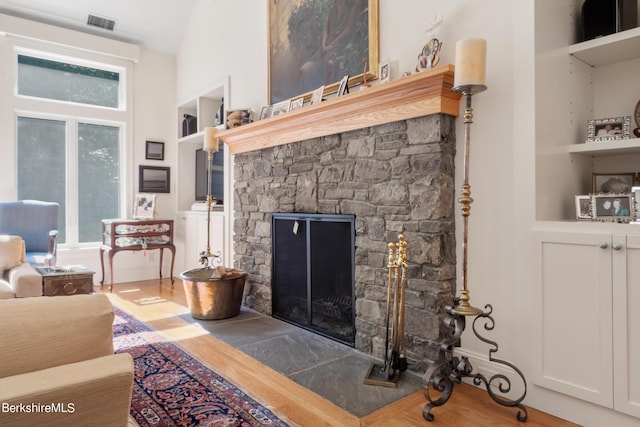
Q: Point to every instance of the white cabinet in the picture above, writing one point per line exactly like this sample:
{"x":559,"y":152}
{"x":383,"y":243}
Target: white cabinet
{"x":588,"y":329}
{"x":196,"y":236}
{"x":626,"y":327}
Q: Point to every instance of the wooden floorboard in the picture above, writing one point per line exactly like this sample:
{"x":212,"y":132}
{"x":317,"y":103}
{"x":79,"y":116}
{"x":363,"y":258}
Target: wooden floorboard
{"x":159,"y":305}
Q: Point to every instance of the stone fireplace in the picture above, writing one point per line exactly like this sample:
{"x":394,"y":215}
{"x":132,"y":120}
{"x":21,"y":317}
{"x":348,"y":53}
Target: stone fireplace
{"x":394,"y":178}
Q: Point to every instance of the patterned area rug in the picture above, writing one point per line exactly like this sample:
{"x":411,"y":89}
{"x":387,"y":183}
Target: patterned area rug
{"x":172,"y":388}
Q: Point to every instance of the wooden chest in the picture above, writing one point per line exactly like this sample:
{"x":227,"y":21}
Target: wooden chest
{"x":69,"y":282}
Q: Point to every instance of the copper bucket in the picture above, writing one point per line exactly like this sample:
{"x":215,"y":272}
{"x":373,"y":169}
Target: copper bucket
{"x":211,"y":298}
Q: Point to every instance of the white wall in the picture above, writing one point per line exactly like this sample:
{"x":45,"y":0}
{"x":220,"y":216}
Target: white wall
{"x":225,"y":38}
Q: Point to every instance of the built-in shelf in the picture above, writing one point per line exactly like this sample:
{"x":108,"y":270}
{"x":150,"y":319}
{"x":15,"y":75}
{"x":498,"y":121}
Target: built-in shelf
{"x":611,"y":49}
{"x":420,"y":94}
{"x":607,"y":148}
{"x":198,"y":137}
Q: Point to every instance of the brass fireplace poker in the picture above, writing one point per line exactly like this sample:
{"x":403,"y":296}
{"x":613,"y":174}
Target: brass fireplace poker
{"x":395,"y":361}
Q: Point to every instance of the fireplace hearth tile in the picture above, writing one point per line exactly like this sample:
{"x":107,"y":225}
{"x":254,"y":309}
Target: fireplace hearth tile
{"x":341,"y":382}
{"x":326,"y":367}
{"x":248,"y":327}
{"x":295,"y":351}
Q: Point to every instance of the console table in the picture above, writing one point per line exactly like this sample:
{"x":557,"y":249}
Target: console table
{"x":136,"y":235}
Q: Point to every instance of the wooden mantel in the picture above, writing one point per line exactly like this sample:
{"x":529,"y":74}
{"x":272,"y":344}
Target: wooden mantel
{"x":421,"y":94}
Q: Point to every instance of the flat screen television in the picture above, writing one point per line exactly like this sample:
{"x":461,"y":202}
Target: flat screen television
{"x":217,"y":176}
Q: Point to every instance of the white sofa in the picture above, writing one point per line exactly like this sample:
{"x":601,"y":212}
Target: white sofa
{"x":57,"y":353}
{"x":18,"y":278}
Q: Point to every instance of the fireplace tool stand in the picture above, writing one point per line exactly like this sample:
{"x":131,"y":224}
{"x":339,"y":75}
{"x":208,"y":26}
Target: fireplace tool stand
{"x":395,"y":361}
{"x":449,"y":369}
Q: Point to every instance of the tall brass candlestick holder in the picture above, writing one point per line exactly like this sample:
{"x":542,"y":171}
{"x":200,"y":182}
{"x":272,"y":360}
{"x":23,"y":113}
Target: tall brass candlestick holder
{"x":212,"y":292}
{"x":449,"y":369}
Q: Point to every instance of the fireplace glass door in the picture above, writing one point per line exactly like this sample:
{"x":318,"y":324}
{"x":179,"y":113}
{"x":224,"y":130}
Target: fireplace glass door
{"x":313,"y":273}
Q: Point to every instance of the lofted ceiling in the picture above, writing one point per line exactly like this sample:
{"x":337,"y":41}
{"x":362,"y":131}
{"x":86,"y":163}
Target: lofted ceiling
{"x":156,"y":25}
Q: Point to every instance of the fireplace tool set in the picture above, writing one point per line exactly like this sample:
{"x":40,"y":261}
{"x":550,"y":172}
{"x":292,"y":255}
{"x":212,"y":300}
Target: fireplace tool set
{"x":395,"y":361}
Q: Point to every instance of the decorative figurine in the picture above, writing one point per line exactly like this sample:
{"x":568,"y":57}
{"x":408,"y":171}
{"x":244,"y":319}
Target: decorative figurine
{"x":364,"y":84}
{"x":430,"y":55}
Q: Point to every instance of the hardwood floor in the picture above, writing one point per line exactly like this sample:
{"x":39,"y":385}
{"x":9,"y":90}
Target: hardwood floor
{"x":158,"y":305}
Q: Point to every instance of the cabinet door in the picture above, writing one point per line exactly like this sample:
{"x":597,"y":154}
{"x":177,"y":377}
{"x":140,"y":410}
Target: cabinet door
{"x":626,"y":330}
{"x":192,"y":245}
{"x":574,"y":325}
{"x":201,"y":232}
{"x":196,"y":237}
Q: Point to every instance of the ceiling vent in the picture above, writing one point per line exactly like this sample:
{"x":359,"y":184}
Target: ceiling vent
{"x":100,"y":22}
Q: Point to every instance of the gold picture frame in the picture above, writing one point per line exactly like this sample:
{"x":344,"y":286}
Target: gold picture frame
{"x":297,"y":61}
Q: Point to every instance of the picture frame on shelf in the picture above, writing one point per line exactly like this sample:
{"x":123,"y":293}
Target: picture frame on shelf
{"x":154,"y":179}
{"x":613,"y":207}
{"x":295,"y":53}
{"x":384,"y":72}
{"x":266,"y":112}
{"x":583,"y":207}
{"x":612,"y":182}
{"x":280,"y":108}
{"x":636,"y":197}
{"x":144,"y":206}
{"x":297,"y":103}
{"x":154,"y":150}
{"x":609,"y":129}
{"x":316,"y":95}
{"x":344,"y":86}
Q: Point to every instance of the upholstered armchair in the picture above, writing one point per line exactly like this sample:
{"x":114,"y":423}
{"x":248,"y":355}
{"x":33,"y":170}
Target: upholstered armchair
{"x":57,"y":355}
{"x":37,"y":223}
{"x":18,"y":278}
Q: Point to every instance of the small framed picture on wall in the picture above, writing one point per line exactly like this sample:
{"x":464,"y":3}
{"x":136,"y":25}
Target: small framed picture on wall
{"x":154,"y":150}
{"x":154,"y":179}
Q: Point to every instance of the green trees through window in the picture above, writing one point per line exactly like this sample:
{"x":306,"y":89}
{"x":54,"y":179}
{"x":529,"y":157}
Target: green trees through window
{"x":73,"y":157}
{"x":62,"y":81}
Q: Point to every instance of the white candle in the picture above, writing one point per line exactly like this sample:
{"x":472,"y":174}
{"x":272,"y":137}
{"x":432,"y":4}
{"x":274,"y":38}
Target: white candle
{"x":471,"y":57}
{"x":210,"y":139}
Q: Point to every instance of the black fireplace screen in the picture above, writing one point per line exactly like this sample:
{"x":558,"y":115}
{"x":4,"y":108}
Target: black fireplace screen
{"x":313,"y":273}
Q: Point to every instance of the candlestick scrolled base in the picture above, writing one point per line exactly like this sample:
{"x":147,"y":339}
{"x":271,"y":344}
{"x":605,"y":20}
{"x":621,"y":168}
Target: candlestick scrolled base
{"x":449,"y":370}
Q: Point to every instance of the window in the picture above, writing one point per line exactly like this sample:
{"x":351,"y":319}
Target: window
{"x":73,"y":156}
{"x":61,"y":81}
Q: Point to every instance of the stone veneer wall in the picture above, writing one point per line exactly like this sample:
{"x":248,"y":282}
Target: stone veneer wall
{"x":396,"y":178}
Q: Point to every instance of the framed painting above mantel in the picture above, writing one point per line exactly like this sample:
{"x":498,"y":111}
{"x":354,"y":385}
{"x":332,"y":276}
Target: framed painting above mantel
{"x":301,"y":58}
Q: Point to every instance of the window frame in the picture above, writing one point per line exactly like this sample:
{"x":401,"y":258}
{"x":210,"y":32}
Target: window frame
{"x":122,"y":86}
{"x":35,"y":107}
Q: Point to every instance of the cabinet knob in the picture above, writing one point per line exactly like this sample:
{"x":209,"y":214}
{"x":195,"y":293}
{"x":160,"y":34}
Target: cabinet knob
{"x":603,"y":245}
{"x":616,"y":246}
